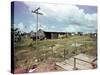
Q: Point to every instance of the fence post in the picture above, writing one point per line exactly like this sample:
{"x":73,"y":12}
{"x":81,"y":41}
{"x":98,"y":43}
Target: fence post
{"x":64,"y":54}
{"x":52,"y":52}
{"x":74,"y":64}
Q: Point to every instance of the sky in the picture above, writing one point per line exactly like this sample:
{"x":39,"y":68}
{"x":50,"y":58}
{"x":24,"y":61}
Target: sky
{"x":55,"y":18}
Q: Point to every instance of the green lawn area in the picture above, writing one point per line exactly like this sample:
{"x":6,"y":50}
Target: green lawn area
{"x":27,"y":52}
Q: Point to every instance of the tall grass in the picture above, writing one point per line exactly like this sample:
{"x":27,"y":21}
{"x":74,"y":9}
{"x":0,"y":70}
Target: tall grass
{"x":27,"y":52}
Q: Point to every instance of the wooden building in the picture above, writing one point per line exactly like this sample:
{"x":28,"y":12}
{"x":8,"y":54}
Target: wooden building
{"x":53,"y":35}
{"x":50,"y":34}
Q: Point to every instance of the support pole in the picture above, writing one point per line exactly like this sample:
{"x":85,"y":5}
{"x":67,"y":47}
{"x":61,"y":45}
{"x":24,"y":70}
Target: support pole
{"x":37,"y":13}
{"x":74,"y":64}
{"x":37,"y":29}
{"x":64,"y":54}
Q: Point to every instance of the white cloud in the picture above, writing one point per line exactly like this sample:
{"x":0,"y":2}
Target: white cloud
{"x":24,"y":28}
{"x":72,"y":28}
{"x":33,"y":27}
{"x":75,"y":18}
{"x":19,"y":25}
{"x":53,"y":27}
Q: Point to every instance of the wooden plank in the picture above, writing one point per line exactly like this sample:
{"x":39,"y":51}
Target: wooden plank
{"x":84,"y":57}
{"x":65,"y":66}
{"x":76,"y":63}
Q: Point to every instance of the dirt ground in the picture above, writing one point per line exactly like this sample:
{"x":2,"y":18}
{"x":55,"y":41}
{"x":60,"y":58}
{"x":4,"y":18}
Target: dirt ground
{"x":47,"y":66}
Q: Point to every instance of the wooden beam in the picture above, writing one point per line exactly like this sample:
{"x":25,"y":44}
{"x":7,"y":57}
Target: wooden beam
{"x":74,"y":64}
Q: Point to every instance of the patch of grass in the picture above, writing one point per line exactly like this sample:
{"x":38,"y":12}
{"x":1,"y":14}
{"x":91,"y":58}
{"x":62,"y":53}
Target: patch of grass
{"x":27,"y":52}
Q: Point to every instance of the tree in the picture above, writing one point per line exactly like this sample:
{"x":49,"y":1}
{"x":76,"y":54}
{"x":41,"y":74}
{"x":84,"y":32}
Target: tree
{"x":80,"y":33}
{"x":15,"y":35}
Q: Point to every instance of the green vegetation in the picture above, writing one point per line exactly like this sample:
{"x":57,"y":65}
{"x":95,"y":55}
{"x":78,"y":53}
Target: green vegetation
{"x":28,"y":53}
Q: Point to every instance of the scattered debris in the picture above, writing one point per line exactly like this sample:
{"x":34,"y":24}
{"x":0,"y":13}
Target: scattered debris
{"x":32,"y":69}
{"x":47,"y":66}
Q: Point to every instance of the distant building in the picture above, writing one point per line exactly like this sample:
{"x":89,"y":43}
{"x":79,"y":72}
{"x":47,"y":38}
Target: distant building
{"x":93,"y":35}
{"x":41,"y":34}
{"x":53,"y":35}
{"x":80,"y":33}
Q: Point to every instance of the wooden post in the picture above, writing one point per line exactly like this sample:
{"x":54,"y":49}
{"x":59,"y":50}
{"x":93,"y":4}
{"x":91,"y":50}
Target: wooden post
{"x":37,"y":13}
{"x":64,"y":54}
{"x":74,"y":64}
{"x":52,"y":51}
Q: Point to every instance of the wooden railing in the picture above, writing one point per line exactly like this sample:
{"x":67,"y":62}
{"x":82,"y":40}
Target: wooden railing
{"x":75,"y":68}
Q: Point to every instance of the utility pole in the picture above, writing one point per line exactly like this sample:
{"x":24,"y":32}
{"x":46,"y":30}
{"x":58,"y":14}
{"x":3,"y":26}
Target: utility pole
{"x":36,"y":11}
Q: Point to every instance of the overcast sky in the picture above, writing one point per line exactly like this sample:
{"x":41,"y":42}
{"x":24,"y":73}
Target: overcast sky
{"x":56,"y":17}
